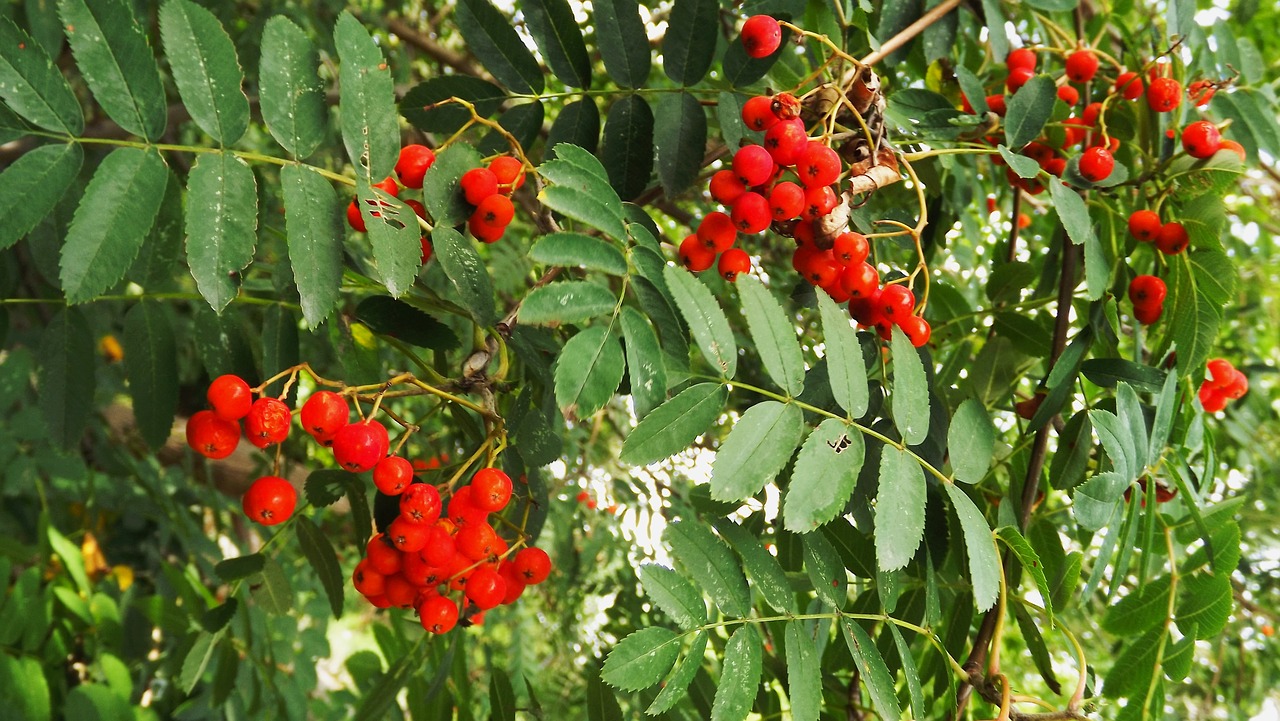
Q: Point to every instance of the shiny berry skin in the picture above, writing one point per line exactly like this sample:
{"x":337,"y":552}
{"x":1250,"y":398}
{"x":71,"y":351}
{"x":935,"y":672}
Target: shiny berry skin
{"x":382,"y":556}
{"x":515,"y":584}
{"x":822,"y":269}
{"x":725,"y":187}
{"x":406,"y":535}
{"x":1017,"y":78}
{"x":324,"y":413}
{"x":750,"y":213}
{"x":850,"y":248}
{"x":495,"y":211}
{"x":367,"y":580}
{"x":482,"y":231}
{"x":420,"y":503}
{"x":761,"y":36}
{"x":490,"y":489}
{"x":817,"y":165}
{"x":1068,"y":95}
{"x":532,"y":565}
{"x":1021,"y":58}
{"x":413,"y":164}
{"x":716,"y":231}
{"x":419,"y":209}
{"x":211,"y":436}
{"x":1130,"y":85}
{"x":996,"y":104}
{"x":1096,"y":164}
{"x":267,"y":422}
{"x":916,"y":329}
{"x":1148,"y":314}
{"x":1144,"y":225}
{"x":1164,"y":94}
{"x":392,"y":475}
{"x":388,"y":186}
{"x":733,"y":262}
{"x":1091,"y":113}
{"x":753,"y":165}
{"x":1212,"y":399}
{"x":438,"y":614}
{"x":359,"y":446}
{"x":860,"y":280}
{"x":818,"y":201}
{"x":440,"y":549}
{"x":509,"y":172}
{"x":478,"y":542}
{"x":478,"y":184}
{"x":896,"y":302}
{"x":230,"y":397}
{"x":354,"y":218}
{"x":1172,"y":238}
{"x":1201,"y":139}
{"x":485,"y":588}
{"x":1146,"y":290}
{"x":1220,"y":371}
{"x":695,"y":256}
{"x":785,"y":141}
{"x":757,"y":113}
{"x":270,"y":500}
{"x":1082,"y":65}
{"x":786,"y":200}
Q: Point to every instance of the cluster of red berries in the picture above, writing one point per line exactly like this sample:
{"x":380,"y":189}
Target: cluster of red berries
{"x":411,"y":168}
{"x":1169,"y":238}
{"x":430,"y":550}
{"x":1225,"y":383}
{"x":1147,"y":294}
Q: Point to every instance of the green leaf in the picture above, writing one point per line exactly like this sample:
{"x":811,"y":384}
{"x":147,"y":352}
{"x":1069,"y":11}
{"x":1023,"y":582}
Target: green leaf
{"x":910,"y":672}
{"x":984,"y":561}
{"x":273,"y":594}
{"x":492,"y":37}
{"x":222,"y":222}
{"x":467,"y":272}
{"x":774,"y":335}
{"x":739,"y":675}
{"x":628,"y":142}
{"x":1039,"y":652}
{"x":690,"y":42}
{"x":196,"y":661}
{"x":757,"y":448}
{"x":622,"y":41}
{"x":1163,"y":422}
{"x":1095,"y":500}
{"x":742,"y":70}
{"x":641,"y":659}
{"x":151,"y":364}
{"x":378,"y":701}
{"x":971,"y":441}
{"x":24,"y":690}
{"x":873,"y":669}
{"x":710,"y":564}
{"x":32,"y":86}
{"x":676,"y":685}
{"x":1144,"y":608}
{"x":569,"y":301}
{"x":707,"y":322}
{"x":766,"y":573}
{"x":232,"y":569}
{"x":577,"y":124}
{"x":368,"y":101}
{"x":502,"y":697}
{"x":205,"y":69}
{"x":217,"y":618}
{"x":33,"y":184}
{"x":400,"y":320}
{"x":601,"y":703}
{"x":1133,"y":668}
{"x":419,"y":104}
{"x":1204,"y":604}
{"x":899,"y":509}
{"x":673,"y":426}
{"x":1022,"y":165}
{"x":69,"y":554}
{"x":1201,"y":286}
{"x":554,"y":29}
{"x":314,"y":233}
{"x":1030,"y":561}
{"x":1028,"y":110}
{"x":441,"y":193}
{"x":117,"y":210}
{"x":394,"y":233}
{"x":66,"y":385}
{"x":826,"y":572}
{"x":1073,"y":212}
{"x":575,"y":250}
{"x":291,"y":93}
{"x":845,"y":366}
{"x":910,"y":395}
{"x":644,"y":362}
{"x":1107,"y":372}
{"x":729,"y":118}
{"x":804,"y":673}
{"x":681,"y":139}
{"x":588,"y":371}
{"x":825,"y":475}
{"x":111,"y":50}
{"x":320,"y":554}
{"x":674,"y":595}
{"x":325,"y":486}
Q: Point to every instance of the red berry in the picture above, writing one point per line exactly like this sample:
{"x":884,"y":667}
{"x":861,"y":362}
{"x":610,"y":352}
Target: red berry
{"x":1091,"y":113}
{"x":509,"y":172}
{"x":482,"y":231}
{"x":695,"y":255}
{"x":485,"y":588}
{"x":1164,"y":94}
{"x":1221,"y":372}
{"x":761,"y":36}
{"x":270,"y":500}
{"x":515,"y":584}
{"x":1148,"y":314}
{"x":1017,"y":78}
{"x":490,"y":489}
{"x":495,"y":211}
{"x":438,"y":614}
{"x":477,"y":542}
{"x":211,"y":436}
{"x":1082,"y":65}
{"x":817,"y":165}
{"x":382,"y":556}
{"x":440,"y":549}
{"x":230,"y":397}
{"x":388,"y":186}
{"x":478,"y":184}
{"x":786,"y":200}
{"x":916,"y":329}
{"x":996,"y":104}
{"x":1172,"y":238}
{"x":818,"y":201}
{"x":732,"y":262}
{"x":726,"y":187}
{"x":1096,"y":164}
{"x":716,"y":231}
{"x":897,"y":301}
{"x":413,"y":164}
{"x":822,"y":269}
{"x":1212,"y":399}
{"x":753,"y":165}
{"x":850,"y":248}
{"x":860,"y":280}
{"x":1144,"y":225}
{"x":750,"y":213}
{"x":1201,"y":139}
{"x":757,"y":113}
{"x":267,"y":422}
{"x":367,"y":580}
{"x":354,"y":218}
{"x":533,"y":565}
{"x":1068,"y":95}
{"x":359,"y":446}
{"x":392,"y":475}
{"x":420,"y":503}
{"x":407,"y":535}
{"x":785,"y":106}
{"x":324,"y":413}
{"x":785,"y":141}
{"x":1021,"y":58}
{"x":1129,"y":85}
{"x":1147,"y":290}
{"x":418,"y":208}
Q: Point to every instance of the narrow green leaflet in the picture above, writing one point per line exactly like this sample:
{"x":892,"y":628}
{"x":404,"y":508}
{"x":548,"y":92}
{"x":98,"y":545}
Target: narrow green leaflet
{"x":1144,"y":608}
{"x":467,"y":272}
{"x":909,"y":670}
{"x":1204,"y":604}
{"x":677,"y":684}
{"x":825,"y":475}
{"x":314,"y":231}
{"x":1163,"y":423}
{"x":32,"y":86}
{"x":577,"y":124}
{"x":710,"y":564}
{"x":222,"y":223}
{"x":826,"y":572}
{"x":441,"y":193}
{"x":674,"y":595}
{"x":1201,"y":284}
{"x":1030,"y":561}
{"x":1024,"y":166}
{"x":117,"y":210}
{"x":1073,"y":212}
{"x":502,"y":697}
{"x":706,"y":319}
{"x":25,"y":689}
{"x":644,"y":362}
{"x":554,"y":29}
{"x":419,"y":105}
{"x":588,"y":371}
{"x":971,"y":441}
{"x":1029,"y":109}
{"x":623,"y":44}
{"x":739,"y":675}
{"x":151,"y":364}
{"x":493,"y":38}
{"x":690,"y":42}
{"x":804,"y":674}
{"x":910,"y":395}
{"x":569,"y":301}
{"x":1118,"y":442}
{"x":193,"y":666}
{"x":766,"y":573}
{"x":984,"y":561}
{"x":575,"y":250}
{"x":641,"y":659}
{"x":273,"y":592}
{"x":1095,"y":500}
{"x":873,"y":669}
{"x":627,"y":147}
{"x":205,"y":69}
{"x":845,"y":367}
{"x":756,"y":450}
{"x":111,"y":50}
{"x":774,"y":335}
{"x":291,"y":94}
{"x":681,"y":138}
{"x":394,"y":233}
{"x":405,"y":322}
{"x":370,"y":129}
{"x":33,"y":184}
{"x":1134,"y":421}
{"x":601,"y":703}
{"x":231,"y":569}
{"x":320,"y":554}
{"x":899,"y":509}
{"x":673,"y":426}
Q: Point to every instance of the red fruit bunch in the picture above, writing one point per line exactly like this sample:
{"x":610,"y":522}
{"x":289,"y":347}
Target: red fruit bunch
{"x":1225,"y":383}
{"x":488,"y":190}
{"x":1147,"y":293}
